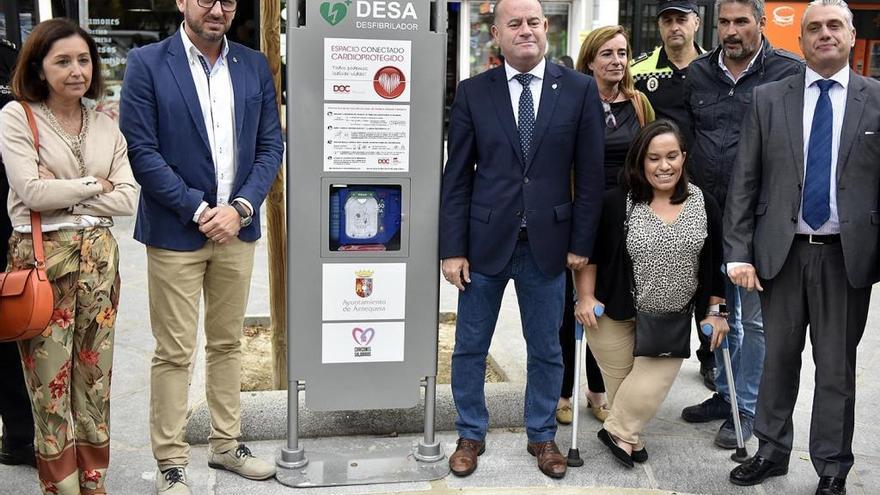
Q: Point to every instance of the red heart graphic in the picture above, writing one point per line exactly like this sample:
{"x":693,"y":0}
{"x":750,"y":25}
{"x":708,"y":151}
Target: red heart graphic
{"x":363,"y":337}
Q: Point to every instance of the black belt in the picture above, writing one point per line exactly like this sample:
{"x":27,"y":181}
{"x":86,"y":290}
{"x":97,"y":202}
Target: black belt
{"x":819,"y":239}
{"x":523,"y":234}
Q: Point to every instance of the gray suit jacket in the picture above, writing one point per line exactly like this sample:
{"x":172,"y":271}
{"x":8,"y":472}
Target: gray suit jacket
{"x":761,"y":215}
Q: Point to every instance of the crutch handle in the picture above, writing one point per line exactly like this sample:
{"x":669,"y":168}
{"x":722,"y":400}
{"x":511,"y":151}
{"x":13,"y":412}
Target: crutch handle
{"x":707,"y":331}
{"x":598,"y":310}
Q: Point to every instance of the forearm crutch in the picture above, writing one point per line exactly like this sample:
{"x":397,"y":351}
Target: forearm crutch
{"x":741,"y":454}
{"x":574,"y":455}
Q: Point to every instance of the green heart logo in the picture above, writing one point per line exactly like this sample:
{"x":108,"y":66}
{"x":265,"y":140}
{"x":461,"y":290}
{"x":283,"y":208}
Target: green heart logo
{"x":333,"y":13}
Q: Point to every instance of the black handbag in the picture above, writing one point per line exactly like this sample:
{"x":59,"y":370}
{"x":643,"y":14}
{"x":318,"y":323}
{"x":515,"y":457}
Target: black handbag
{"x":659,"y":334}
{"x":663,"y":334}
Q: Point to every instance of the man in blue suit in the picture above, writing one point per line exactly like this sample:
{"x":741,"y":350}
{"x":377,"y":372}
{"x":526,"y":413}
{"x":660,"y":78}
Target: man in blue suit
{"x":516,"y":133}
{"x":204,"y":139}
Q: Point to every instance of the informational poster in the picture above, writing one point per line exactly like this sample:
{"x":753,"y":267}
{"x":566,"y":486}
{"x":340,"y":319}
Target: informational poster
{"x":366,"y":137}
{"x":367,"y":70}
{"x":365,"y":342}
{"x":364,"y":291}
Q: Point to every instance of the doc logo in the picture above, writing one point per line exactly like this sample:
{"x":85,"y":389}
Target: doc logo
{"x":341,"y":89}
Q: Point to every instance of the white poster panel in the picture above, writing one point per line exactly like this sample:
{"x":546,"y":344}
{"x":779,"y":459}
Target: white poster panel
{"x":366,"y":138}
{"x":363,"y":291}
{"x":364,"y":342}
{"x":367,"y":70}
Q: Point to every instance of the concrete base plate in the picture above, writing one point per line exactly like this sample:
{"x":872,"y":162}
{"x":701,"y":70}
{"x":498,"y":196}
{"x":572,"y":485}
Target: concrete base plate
{"x":387,"y":461}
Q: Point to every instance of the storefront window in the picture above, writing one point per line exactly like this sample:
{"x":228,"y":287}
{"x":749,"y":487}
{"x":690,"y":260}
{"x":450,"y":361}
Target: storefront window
{"x":484,"y":53}
{"x":118,"y":27}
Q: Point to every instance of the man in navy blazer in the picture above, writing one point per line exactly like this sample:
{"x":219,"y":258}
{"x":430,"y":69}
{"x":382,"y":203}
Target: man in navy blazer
{"x":517,"y":135}
{"x":201,"y":121}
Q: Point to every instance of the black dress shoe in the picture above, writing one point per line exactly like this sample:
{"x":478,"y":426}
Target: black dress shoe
{"x":640,"y":456}
{"x":619,"y":454}
{"x":15,"y":455}
{"x":829,"y":485}
{"x":755,"y":471}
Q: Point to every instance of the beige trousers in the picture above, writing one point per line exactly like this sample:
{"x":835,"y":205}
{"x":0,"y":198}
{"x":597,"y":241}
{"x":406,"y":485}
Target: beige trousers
{"x":636,"y":387}
{"x":176,"y":281}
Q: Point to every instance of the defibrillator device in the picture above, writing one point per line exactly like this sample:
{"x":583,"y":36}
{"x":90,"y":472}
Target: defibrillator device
{"x":361,"y":215}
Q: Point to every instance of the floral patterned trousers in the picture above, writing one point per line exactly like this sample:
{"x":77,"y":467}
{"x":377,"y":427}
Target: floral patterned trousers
{"x":68,"y":367}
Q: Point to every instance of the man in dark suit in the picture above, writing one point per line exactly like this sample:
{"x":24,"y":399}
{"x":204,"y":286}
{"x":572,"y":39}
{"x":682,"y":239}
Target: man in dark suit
{"x":802,"y":226}
{"x":204,"y":142}
{"x":15,"y":406}
{"x":516,"y":132}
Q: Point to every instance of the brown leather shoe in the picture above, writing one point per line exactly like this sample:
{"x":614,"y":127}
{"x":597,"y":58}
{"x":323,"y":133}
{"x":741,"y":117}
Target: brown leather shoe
{"x":550,"y":460}
{"x":463,"y":461}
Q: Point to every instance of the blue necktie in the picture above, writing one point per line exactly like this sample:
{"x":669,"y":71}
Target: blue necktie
{"x":817,"y":183}
{"x":526,"y":122}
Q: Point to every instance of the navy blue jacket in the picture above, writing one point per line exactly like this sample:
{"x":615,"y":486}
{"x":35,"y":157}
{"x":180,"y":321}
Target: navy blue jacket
{"x":488,"y":185}
{"x":168,"y":145}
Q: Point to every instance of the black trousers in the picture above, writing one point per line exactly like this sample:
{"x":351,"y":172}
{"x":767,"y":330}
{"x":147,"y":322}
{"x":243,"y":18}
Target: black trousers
{"x":15,"y":406}
{"x":811,"y":290}
{"x":566,"y":339}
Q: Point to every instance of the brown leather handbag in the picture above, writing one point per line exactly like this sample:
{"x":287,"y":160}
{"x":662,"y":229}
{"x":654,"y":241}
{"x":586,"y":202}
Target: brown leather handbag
{"x":26,"y":299}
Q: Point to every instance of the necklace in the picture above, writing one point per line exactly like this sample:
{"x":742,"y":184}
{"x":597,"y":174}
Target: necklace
{"x":614,"y":94}
{"x":71,"y":126}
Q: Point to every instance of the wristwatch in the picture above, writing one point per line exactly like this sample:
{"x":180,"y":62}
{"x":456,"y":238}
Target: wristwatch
{"x":246,"y":217}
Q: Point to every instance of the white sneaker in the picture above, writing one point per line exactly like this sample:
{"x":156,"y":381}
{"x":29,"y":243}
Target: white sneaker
{"x":241,"y":462}
{"x":172,"y":482}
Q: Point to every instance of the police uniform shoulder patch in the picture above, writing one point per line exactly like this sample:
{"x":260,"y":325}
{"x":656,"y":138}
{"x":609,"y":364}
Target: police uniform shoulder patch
{"x":8,"y":44}
{"x":652,"y":84}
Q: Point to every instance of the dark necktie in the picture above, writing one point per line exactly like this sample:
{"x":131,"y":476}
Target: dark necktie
{"x":817,"y":183}
{"x":526,"y":124}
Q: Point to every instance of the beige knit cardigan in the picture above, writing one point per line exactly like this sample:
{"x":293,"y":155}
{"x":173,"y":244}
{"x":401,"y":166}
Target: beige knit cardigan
{"x":74,"y":191}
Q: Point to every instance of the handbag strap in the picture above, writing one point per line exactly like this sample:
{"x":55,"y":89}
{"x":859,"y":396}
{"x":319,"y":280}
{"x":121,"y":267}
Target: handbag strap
{"x":36,"y":220}
{"x":627,"y":257}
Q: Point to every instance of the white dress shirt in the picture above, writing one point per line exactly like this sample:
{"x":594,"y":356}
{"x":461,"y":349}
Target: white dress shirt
{"x":516,"y":88}
{"x":729,"y":74}
{"x":837,"y":94}
{"x":216,"y":99}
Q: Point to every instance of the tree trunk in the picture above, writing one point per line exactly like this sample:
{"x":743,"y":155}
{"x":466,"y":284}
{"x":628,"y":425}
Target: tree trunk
{"x":270,"y":15}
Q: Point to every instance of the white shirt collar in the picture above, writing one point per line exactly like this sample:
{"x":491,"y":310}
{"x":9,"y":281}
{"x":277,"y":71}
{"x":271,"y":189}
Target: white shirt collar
{"x":842,"y":77}
{"x":537,"y":71}
{"x":724,"y":68}
{"x":192,"y":52}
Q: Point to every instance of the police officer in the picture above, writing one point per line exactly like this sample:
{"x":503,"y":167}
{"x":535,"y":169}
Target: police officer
{"x":660,"y":74}
{"x":15,"y":407}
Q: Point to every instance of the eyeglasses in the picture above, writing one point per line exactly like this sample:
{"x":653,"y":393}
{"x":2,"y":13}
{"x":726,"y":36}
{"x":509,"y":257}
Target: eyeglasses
{"x":610,"y":121}
{"x":226,"y":5}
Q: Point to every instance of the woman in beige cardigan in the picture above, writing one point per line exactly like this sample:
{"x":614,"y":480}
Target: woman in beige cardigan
{"x":78,"y":181}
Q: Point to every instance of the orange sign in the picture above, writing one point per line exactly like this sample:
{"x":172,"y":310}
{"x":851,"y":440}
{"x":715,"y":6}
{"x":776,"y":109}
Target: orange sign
{"x":784,"y":24}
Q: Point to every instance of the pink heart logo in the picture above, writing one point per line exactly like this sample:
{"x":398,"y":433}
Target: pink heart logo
{"x":363,"y":337}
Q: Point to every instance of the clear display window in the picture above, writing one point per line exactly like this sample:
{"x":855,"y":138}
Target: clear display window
{"x":365,"y":217}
